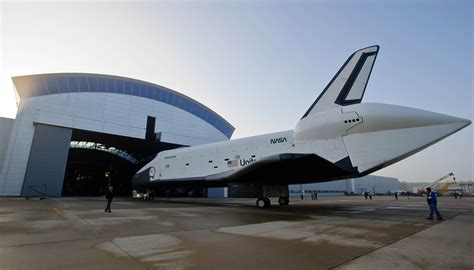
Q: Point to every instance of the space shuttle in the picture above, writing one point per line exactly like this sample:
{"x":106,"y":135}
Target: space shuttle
{"x":337,"y":138}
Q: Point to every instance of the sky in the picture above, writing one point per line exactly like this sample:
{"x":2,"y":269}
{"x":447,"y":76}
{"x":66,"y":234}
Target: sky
{"x":260,"y":64}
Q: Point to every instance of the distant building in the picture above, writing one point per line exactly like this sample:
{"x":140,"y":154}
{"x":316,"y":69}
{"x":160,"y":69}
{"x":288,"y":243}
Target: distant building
{"x":369,"y":183}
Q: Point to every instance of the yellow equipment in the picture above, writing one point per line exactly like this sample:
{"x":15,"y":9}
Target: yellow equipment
{"x":445,"y":184}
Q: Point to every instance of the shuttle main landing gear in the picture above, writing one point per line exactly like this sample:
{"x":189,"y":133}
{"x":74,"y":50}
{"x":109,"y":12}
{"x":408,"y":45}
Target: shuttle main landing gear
{"x":263,"y":202}
{"x":280,"y":191}
{"x":283,"y":200}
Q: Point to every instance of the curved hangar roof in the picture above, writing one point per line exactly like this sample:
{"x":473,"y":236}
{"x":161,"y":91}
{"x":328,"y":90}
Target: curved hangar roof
{"x":48,"y":84}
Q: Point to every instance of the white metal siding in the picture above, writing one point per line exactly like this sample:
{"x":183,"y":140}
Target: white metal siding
{"x":110,"y":113}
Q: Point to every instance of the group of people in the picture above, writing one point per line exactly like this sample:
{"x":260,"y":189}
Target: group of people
{"x":430,"y":199}
{"x":314,"y":195}
{"x":367,"y":195}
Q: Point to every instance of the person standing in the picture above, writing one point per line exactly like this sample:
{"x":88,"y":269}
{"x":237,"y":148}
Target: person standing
{"x":109,"y":195}
{"x":432,"y":203}
{"x":396,"y":196}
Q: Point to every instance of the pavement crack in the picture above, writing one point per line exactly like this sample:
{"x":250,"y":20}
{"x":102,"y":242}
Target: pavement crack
{"x":50,"y":242}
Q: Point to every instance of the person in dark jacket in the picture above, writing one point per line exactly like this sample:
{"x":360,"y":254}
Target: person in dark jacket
{"x":432,"y":203}
{"x":109,"y":195}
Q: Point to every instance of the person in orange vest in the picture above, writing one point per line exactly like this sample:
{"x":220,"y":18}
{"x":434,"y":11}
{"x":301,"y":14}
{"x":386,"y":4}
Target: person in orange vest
{"x":432,"y":203}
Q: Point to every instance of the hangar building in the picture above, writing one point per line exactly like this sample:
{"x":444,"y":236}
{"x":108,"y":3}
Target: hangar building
{"x":74,"y":132}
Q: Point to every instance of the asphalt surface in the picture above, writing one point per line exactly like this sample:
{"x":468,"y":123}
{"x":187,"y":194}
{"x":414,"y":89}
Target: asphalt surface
{"x":330,"y":233}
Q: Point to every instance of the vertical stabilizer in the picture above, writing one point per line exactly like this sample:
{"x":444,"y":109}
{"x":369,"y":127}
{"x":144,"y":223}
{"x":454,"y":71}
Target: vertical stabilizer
{"x":348,"y":85}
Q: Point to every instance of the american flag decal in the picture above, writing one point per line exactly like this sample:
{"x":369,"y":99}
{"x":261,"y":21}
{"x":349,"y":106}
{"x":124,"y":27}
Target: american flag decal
{"x":232,"y":163}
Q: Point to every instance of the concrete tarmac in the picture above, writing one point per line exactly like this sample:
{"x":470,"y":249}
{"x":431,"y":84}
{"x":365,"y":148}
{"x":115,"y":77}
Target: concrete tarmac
{"x":330,"y":233}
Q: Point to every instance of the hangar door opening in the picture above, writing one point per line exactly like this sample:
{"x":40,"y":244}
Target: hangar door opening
{"x":96,"y":160}
{"x":89,"y":172}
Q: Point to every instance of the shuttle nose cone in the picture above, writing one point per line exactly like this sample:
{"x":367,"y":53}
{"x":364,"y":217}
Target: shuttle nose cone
{"x":378,"y":117}
{"x":467,"y":122}
{"x":390,"y":133}
{"x":430,"y":127}
{"x":425,"y":118}
{"x":450,"y":122}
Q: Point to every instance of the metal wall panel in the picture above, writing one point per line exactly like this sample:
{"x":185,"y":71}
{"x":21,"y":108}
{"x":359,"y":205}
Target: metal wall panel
{"x":6,"y":127}
{"x":47,"y":162}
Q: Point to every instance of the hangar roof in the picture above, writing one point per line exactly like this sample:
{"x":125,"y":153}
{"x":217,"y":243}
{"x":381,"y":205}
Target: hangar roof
{"x":57,"y":83}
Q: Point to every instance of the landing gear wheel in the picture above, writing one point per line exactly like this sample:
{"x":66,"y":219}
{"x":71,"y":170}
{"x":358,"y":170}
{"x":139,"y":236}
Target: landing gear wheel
{"x":263,"y":202}
{"x":267,"y":202}
{"x":283,"y":201}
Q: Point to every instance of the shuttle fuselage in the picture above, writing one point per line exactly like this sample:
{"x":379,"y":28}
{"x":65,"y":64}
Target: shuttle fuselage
{"x":338,"y":137}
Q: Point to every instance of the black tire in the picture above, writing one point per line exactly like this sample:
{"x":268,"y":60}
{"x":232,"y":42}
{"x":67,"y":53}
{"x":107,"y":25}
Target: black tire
{"x":283,"y":201}
{"x":261,"y":203}
{"x":267,"y":202}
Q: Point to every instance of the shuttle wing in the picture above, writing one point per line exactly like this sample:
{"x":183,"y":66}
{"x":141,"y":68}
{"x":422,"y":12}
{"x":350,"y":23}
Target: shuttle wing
{"x":348,"y":85}
{"x":286,"y":168}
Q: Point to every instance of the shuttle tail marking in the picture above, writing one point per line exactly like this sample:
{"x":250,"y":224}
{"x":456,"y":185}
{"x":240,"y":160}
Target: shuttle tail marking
{"x":347,"y":87}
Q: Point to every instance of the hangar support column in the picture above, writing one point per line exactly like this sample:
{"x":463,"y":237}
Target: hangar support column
{"x":47,"y":161}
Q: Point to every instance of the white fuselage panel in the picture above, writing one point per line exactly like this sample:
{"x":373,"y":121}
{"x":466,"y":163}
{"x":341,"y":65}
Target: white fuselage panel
{"x":220,"y":157}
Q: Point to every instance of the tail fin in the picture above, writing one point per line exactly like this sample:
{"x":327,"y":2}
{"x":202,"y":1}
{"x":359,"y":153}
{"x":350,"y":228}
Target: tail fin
{"x":348,"y":85}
